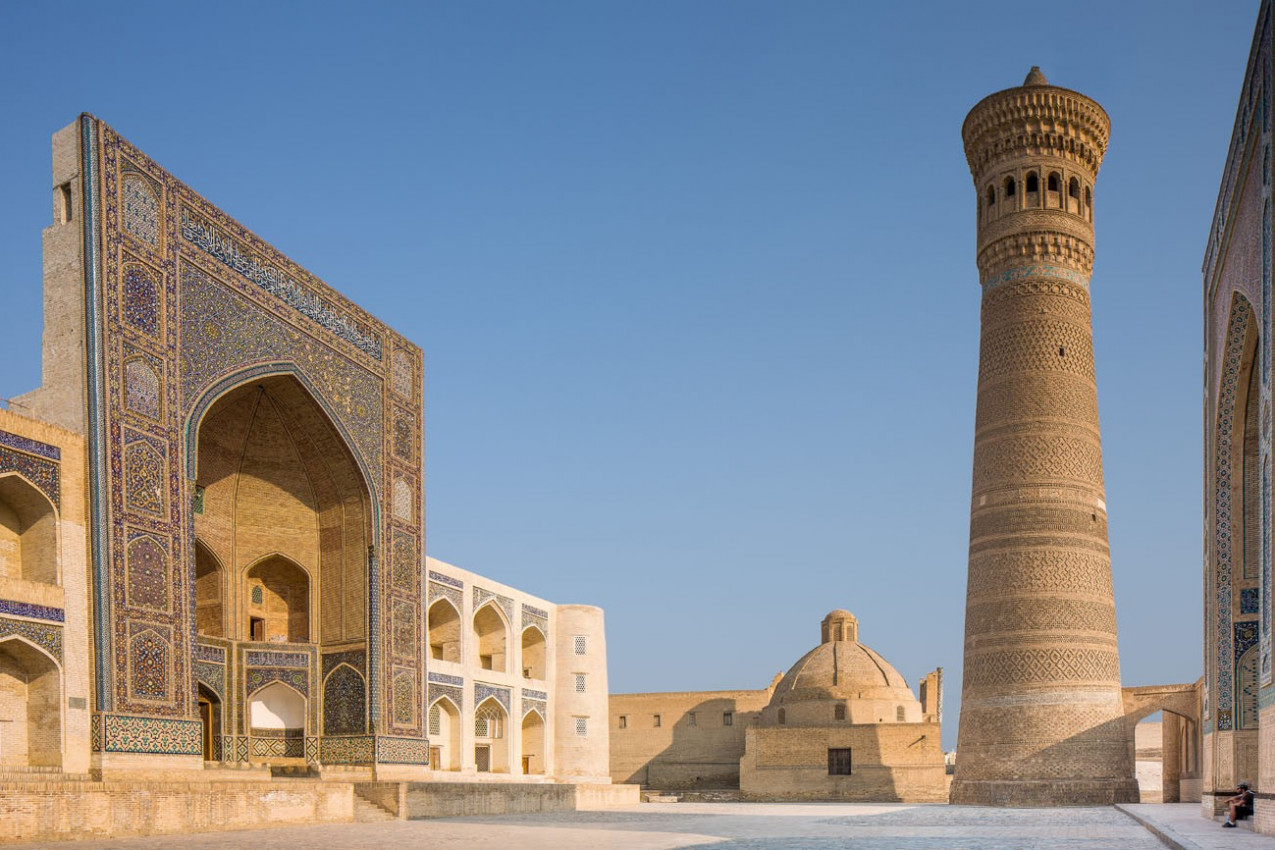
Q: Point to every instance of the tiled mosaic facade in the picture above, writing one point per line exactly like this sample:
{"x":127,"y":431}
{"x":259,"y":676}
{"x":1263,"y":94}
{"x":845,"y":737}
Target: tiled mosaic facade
{"x":1239,"y":683}
{"x":183,"y":305}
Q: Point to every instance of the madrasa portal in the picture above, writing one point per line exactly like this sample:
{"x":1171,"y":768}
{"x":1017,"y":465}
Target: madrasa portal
{"x":212,"y":553}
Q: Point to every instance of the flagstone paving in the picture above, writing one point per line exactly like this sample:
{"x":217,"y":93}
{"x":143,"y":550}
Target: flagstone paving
{"x":745,"y":826}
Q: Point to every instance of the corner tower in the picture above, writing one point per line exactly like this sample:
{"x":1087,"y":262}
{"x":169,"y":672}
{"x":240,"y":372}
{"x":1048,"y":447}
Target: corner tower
{"x":1041,"y":714}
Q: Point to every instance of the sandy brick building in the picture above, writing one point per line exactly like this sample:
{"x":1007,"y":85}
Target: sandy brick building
{"x":841,"y":724}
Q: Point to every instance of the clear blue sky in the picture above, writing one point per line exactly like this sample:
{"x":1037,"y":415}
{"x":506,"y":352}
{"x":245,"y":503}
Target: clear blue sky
{"x":695,"y":280}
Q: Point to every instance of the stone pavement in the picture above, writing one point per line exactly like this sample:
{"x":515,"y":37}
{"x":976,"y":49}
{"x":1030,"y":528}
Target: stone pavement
{"x":743,"y":826}
{"x":1180,"y":826}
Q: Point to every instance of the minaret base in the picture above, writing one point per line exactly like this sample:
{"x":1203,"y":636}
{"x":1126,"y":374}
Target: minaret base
{"x":1027,"y":794}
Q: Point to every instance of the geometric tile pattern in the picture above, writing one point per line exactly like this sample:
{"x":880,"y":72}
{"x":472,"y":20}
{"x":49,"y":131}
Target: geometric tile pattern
{"x":535,"y":617}
{"x":483,"y":691}
{"x":27,"y":609}
{"x":157,"y":359}
{"x":42,"y":473}
{"x":1238,"y":328}
{"x":47,"y":637}
{"x":482,"y":595}
{"x":152,"y":735}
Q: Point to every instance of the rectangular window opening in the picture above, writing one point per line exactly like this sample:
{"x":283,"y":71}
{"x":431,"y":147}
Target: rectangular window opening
{"x":656,"y":720}
{"x":728,"y":718}
{"x":62,"y":204}
{"x":624,"y":721}
{"x":839,"y":762}
{"x":690,"y":718}
{"x":581,"y":644}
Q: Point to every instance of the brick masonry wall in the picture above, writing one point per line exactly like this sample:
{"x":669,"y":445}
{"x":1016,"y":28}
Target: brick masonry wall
{"x":889,"y":762}
{"x":677,"y":754}
{"x":65,"y":810}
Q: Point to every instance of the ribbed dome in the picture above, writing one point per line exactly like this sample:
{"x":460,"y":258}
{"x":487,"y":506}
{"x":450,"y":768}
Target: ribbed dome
{"x":841,"y":669}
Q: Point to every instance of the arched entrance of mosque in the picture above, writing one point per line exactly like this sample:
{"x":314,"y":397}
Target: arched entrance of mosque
{"x":30,"y":706}
{"x":444,"y":735}
{"x":210,"y":721}
{"x":533,"y":743}
{"x":284,"y":521}
{"x":491,"y":737}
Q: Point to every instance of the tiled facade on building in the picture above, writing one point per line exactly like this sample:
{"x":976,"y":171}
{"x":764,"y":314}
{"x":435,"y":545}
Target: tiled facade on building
{"x":212,"y":551}
{"x":1238,"y":719}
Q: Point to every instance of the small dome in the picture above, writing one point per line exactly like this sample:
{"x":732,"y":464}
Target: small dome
{"x":1035,"y":77}
{"x":839,"y":625}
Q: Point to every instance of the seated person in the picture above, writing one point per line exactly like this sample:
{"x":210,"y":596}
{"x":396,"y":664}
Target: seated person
{"x":1240,"y":806}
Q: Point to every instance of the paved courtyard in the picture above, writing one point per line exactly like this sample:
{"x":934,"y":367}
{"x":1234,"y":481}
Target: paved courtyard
{"x":742,"y":826}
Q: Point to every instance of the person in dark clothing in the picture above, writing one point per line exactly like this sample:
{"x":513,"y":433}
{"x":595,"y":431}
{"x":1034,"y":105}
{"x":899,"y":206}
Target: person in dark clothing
{"x":1240,"y":806}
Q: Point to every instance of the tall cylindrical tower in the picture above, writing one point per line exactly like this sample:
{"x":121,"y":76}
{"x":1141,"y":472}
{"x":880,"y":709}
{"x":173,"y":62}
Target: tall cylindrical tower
{"x":1041,"y":716}
{"x":582,"y":739}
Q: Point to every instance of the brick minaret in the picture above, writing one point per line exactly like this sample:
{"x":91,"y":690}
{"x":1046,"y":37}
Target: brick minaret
{"x":1041,"y":716}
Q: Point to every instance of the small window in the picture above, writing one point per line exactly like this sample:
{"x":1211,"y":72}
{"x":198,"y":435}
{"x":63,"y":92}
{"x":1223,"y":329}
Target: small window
{"x":690,"y":718}
{"x":782,"y":717}
{"x":63,"y":212}
{"x":991,"y":196}
{"x":258,"y":596}
{"x":839,"y":762}
{"x":1073,"y":189}
{"x":624,"y":721}
{"x":898,"y":714}
{"x":582,"y":727}
{"x":838,"y":712}
{"x":728,"y":718}
{"x":1009,"y":187}
{"x":435,"y":720}
{"x":1033,"y":182}
{"x":655,"y":721}
{"x":1054,"y":182}
{"x":580,"y":685}
{"x":582,"y":644}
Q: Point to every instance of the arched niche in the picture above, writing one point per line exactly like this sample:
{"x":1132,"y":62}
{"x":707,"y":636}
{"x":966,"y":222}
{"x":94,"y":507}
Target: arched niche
{"x":28,"y":532}
{"x":443,"y":626}
{"x":444,"y":735}
{"x":276,"y":708}
{"x":278,"y":601}
{"x":30,"y":706}
{"x":491,"y":738}
{"x":276,"y":477}
{"x":209,"y":721}
{"x":533,"y":653}
{"x":533,"y":743}
{"x":491,"y":638}
{"x":210,"y":592}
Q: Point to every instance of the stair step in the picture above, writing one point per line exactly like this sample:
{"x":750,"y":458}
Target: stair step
{"x":368,"y":812}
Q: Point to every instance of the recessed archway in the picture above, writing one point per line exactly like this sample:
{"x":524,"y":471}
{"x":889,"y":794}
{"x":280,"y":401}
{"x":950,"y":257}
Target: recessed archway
{"x":276,"y":722}
{"x":491,"y":638}
{"x":276,"y":478}
{"x":533,"y":653}
{"x":444,"y":735}
{"x":491,"y":739}
{"x":28,"y":532}
{"x":533,"y":743}
{"x":30,"y":706}
{"x":444,"y":631}
{"x":278,"y":592}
